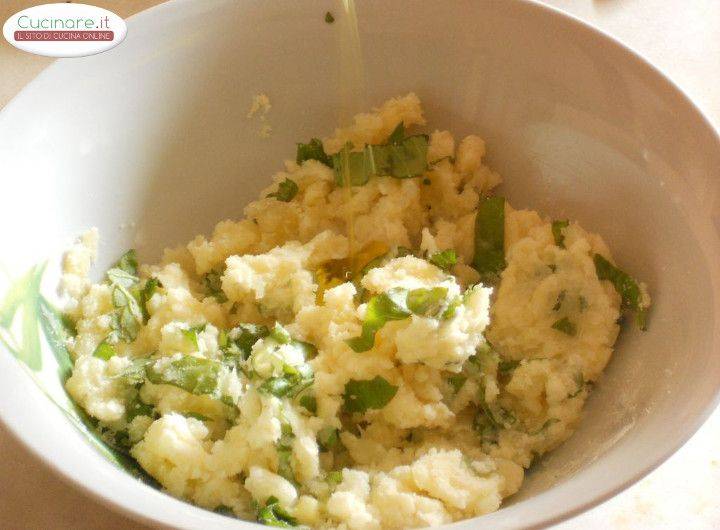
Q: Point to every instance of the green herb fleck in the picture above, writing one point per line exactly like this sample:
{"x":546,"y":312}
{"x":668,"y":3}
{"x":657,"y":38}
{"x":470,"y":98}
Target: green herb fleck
{"x":136,"y":407}
{"x":544,"y":428}
{"x":273,"y":515}
{"x":427,"y":302}
{"x":557,"y":232}
{"x":399,"y":158}
{"x":127,"y":318}
{"x":489,"y":258}
{"x":560,"y":300}
{"x":583,"y":303}
{"x":566,"y":326}
{"x":362,"y":395}
{"x":105,"y":351}
{"x":291,"y":383}
{"x":212,"y":281}
{"x":580,"y":382}
{"x":327,"y":438}
{"x":628,"y":288}
{"x":237,"y":343}
{"x":225,"y":510}
{"x":445,"y":259}
{"x":135,"y":373}
{"x":128,"y":262}
{"x":329,"y":18}
{"x":381,"y":309}
{"x":280,"y":334}
{"x":284,"y":452}
{"x":451,"y":308}
{"x":196,"y":416}
{"x":191,"y":334}
{"x":287,"y":189}
{"x":309,"y":402}
{"x":312,"y":150}
{"x":334,"y":478}
{"x":146,"y":293}
{"x":398,"y":304}
{"x":196,"y":375}
{"x":457,"y":381}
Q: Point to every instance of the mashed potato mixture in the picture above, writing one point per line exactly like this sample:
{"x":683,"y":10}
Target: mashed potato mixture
{"x":389,"y":354}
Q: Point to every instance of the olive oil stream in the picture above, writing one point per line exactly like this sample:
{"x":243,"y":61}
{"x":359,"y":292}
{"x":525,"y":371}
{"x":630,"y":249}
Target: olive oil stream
{"x":351,"y":83}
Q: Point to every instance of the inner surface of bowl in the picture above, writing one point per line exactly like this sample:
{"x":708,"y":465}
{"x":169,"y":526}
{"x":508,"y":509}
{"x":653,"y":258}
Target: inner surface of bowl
{"x":151,"y":143}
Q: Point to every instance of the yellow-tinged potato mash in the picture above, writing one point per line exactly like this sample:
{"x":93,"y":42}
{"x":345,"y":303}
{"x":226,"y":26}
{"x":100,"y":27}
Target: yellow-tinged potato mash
{"x":404,"y":373}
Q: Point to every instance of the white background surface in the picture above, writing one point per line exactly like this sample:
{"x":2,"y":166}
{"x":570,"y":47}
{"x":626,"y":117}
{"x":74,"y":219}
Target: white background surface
{"x":682,"y":38}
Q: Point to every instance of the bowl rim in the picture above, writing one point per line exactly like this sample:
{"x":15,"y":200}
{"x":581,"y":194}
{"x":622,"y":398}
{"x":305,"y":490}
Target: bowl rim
{"x":211,"y":520}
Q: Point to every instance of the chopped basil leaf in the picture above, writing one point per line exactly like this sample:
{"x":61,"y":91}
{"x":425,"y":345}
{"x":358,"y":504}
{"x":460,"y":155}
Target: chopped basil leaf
{"x":135,"y":373}
{"x":136,"y":408}
{"x":362,"y":395}
{"x":277,"y":386}
{"x":313,"y":150}
{"x":489,"y":258}
{"x":560,"y":300}
{"x":566,"y":326}
{"x":238,"y":342}
{"x":557,"y":232}
{"x":327,"y":438}
{"x":334,"y":478}
{"x":583,"y":303}
{"x":426,"y":181}
{"x":309,"y":402}
{"x":196,"y":416}
{"x":287,"y":190}
{"x":294,"y":380}
{"x":402,"y":158}
{"x":273,"y":515}
{"x":191,"y":334}
{"x":451,"y":308}
{"x":212,"y":281}
{"x":193,"y":374}
{"x":225,"y":510}
{"x":104,"y":350}
{"x":381,"y":308}
{"x":284,"y":452}
{"x":146,"y":293}
{"x":444,"y":259}
{"x":493,"y":417}
{"x":398,"y":304}
{"x":397,"y":135}
{"x":544,"y":428}
{"x":280,"y":334}
{"x":457,"y":382}
{"x":329,"y":18}
{"x":484,"y":425}
{"x":121,"y":278}
{"x":427,"y":302}
{"x":626,"y":286}
{"x":580,"y":382}
{"x":355,"y":166}
{"x":128,"y":263}
{"x":126,"y":320}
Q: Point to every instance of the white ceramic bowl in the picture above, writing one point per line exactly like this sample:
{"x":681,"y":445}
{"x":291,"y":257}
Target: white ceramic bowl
{"x":155,"y":133}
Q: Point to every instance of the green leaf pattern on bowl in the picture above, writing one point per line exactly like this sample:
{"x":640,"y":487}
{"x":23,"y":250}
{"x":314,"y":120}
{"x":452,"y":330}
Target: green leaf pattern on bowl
{"x":34,"y":332}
